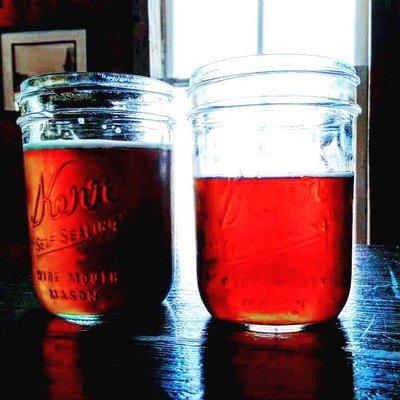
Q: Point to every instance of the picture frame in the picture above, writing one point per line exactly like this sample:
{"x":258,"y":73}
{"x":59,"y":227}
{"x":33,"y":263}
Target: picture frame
{"x":26,"y":54}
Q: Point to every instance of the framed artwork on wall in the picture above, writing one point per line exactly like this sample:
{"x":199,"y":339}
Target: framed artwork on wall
{"x":26,"y":54}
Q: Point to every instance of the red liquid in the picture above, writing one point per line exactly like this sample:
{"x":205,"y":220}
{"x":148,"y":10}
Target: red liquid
{"x":99,"y":223}
{"x":274,"y":250}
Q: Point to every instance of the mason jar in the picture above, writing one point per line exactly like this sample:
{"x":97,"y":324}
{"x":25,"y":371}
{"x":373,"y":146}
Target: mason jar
{"x":97,"y":157}
{"x":274,"y":175}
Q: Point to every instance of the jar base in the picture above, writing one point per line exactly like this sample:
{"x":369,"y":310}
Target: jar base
{"x":277,"y":328}
{"x":87,"y":320}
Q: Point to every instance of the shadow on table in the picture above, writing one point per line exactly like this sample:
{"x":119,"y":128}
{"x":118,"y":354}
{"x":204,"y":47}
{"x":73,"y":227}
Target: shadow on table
{"x":46,"y":357}
{"x":305,"y":365}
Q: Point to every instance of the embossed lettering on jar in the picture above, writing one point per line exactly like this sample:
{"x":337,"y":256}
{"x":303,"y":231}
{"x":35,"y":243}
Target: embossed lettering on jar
{"x":97,"y":155}
{"x":274,"y":167}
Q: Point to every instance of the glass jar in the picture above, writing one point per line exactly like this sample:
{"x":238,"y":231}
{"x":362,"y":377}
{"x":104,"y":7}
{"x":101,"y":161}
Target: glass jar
{"x":274,"y":167}
{"x":97,"y":157}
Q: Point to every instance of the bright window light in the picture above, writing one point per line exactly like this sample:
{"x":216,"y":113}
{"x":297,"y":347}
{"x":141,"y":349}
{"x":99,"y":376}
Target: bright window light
{"x":200,"y":32}
{"x":208,"y":30}
{"x":321,"y":27}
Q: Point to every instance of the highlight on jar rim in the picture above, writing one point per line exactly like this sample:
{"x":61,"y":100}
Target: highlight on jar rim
{"x":274,"y":79}
{"x":140,"y":97}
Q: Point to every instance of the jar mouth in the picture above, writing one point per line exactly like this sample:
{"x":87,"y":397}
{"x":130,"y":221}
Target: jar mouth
{"x":97,"y":93}
{"x":48,"y":82}
{"x":267,"y":64}
{"x":274,"y":80}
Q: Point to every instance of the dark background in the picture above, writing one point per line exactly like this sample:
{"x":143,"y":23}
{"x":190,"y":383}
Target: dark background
{"x":117,"y":40}
{"x":384,"y":135}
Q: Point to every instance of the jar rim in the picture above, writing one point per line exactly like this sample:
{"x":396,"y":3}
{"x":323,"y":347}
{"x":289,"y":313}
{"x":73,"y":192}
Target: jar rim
{"x":39,"y":83}
{"x":97,"y":93}
{"x":238,"y":67}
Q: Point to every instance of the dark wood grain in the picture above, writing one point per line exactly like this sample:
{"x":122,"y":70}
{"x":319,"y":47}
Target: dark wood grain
{"x":178,"y":352}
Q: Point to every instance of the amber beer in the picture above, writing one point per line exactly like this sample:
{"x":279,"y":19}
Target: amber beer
{"x":99,"y":223}
{"x":275,"y":250}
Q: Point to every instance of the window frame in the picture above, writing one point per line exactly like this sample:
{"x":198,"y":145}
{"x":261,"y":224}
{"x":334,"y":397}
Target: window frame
{"x":161,"y":67}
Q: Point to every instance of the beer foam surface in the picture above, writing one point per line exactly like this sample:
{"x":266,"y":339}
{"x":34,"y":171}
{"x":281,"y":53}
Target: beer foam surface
{"x":94,"y":144}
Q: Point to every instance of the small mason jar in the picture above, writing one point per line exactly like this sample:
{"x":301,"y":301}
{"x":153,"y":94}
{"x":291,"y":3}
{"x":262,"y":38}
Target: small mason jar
{"x":97,"y":157}
{"x":274,"y":167}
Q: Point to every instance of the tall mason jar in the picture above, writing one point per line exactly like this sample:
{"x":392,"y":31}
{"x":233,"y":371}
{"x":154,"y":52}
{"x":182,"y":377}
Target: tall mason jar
{"x":274,"y":176}
{"x":97,"y":157}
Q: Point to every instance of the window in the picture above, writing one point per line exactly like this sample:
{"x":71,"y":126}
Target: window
{"x":199,"y":32}
{"x":326,"y":28}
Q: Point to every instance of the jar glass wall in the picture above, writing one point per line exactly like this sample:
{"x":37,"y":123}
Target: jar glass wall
{"x":97,"y":156}
{"x":274,"y":167}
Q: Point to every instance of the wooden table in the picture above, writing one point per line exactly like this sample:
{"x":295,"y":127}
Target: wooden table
{"x":179,"y":352}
